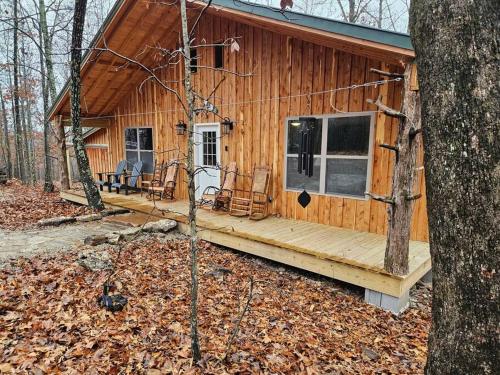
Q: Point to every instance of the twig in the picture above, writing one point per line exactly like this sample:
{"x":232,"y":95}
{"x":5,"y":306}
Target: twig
{"x":414,"y":197}
{"x":389,"y":147}
{"x":387,"y":74}
{"x":240,"y":318}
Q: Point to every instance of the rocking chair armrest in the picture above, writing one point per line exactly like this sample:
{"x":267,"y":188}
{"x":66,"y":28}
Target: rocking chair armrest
{"x":154,"y":183}
{"x":224,"y":193}
{"x":208,"y":188}
{"x":242,"y":191}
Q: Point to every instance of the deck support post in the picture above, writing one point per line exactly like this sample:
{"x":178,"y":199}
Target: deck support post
{"x":396,"y":305}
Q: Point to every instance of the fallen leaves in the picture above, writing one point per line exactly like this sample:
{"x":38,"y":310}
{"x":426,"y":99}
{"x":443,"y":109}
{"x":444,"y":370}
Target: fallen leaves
{"x":22,"y":206}
{"x":50,"y":321}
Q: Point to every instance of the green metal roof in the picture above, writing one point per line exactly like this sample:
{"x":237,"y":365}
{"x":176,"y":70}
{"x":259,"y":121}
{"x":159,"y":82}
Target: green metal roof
{"x":373,"y":34}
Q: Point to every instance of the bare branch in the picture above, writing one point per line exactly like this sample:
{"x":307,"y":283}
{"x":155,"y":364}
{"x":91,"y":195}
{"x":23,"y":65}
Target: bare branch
{"x":380,"y":198}
{"x":387,"y":74}
{"x":389,"y":147}
{"x":240,"y":318}
{"x":387,"y":110}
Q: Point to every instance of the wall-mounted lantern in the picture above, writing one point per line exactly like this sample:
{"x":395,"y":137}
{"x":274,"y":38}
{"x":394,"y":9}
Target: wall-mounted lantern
{"x":181,"y":128}
{"x":227,"y":125}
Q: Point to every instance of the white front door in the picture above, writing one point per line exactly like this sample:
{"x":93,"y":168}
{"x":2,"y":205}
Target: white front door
{"x":207,"y":156}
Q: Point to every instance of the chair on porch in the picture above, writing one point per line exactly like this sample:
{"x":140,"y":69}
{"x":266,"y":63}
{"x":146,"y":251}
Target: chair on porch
{"x":157,"y":177}
{"x":166,"y":188}
{"x":219,"y":198}
{"x":120,"y":168}
{"x":130,"y":181}
{"x":253,"y":203}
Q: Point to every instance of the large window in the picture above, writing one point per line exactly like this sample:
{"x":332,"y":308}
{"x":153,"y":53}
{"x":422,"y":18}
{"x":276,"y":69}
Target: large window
{"x":329,"y":154}
{"x":139,"y":146}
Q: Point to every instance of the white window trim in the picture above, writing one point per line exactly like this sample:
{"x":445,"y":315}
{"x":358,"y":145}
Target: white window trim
{"x":324,"y":156}
{"x":138,"y":143}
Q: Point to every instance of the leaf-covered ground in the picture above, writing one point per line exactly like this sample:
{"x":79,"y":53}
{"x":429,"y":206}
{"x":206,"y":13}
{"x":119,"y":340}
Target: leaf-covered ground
{"x":297,"y":323}
{"x":21,"y":206}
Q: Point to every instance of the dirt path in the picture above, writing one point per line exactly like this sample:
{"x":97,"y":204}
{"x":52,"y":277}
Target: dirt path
{"x":38,"y":241}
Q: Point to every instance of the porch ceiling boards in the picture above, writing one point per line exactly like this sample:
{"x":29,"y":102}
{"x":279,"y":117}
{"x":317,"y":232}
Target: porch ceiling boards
{"x":342,"y":254}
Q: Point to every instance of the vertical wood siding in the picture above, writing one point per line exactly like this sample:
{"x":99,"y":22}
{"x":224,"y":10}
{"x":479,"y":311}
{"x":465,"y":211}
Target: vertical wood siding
{"x":282,"y":66}
{"x":98,"y":156}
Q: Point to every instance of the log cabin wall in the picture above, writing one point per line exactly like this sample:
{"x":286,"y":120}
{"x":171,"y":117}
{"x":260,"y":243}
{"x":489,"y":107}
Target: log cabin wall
{"x":281,"y":66}
{"x":98,"y":153}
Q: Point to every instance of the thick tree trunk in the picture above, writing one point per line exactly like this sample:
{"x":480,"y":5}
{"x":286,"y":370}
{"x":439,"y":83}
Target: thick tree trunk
{"x":6,"y":135}
{"x":405,"y":172}
{"x":16,"y":112}
{"x":51,"y":83}
{"x":195,"y":341}
{"x":457,"y":46}
{"x":91,"y":191}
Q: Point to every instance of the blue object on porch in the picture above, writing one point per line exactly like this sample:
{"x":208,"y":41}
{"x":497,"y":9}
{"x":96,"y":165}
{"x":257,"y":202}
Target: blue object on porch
{"x":130,"y":181}
{"x":120,"y":168}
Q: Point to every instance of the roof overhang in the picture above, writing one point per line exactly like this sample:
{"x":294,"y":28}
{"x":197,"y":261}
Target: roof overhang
{"x":132,"y":24}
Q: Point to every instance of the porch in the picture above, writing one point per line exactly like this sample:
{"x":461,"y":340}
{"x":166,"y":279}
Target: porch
{"x":342,"y":254}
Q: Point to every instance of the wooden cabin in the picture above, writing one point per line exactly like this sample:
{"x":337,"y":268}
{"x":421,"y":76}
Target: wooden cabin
{"x":299,"y":66}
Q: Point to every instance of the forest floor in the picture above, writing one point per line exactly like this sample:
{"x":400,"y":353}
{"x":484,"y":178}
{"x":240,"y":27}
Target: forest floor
{"x":22,"y":206}
{"x":50,"y":321}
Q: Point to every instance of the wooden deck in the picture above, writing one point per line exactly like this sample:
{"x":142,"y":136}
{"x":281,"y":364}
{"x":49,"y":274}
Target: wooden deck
{"x":342,"y":254}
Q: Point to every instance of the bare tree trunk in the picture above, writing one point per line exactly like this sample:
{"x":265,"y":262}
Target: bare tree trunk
{"x":195,"y":341}
{"x":380,"y":13}
{"x":457,"y":46}
{"x":28,"y":127}
{"x":17,"y":115}
{"x":2,"y":147}
{"x":26,"y":147}
{"x":6,"y":135}
{"x":405,"y":172}
{"x":51,"y":83}
{"x":48,"y":184}
{"x":91,"y":191}
{"x":352,"y":11}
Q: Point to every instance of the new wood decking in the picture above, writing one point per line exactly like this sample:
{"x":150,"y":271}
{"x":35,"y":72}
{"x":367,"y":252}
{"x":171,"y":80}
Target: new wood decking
{"x":342,"y":254}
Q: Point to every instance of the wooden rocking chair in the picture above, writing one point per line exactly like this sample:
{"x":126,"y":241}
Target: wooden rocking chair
{"x":220,"y":198}
{"x":256,"y":205}
{"x":156,"y":179}
{"x":166,"y":188}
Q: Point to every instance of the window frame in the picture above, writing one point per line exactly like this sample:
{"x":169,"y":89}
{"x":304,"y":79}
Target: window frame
{"x":193,"y":59}
{"x":324,"y":153}
{"x":219,"y":47}
{"x":139,"y":150}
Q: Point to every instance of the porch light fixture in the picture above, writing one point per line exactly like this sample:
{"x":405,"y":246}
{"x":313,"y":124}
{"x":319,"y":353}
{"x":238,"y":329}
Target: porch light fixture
{"x":181,"y":128}
{"x":295,"y":123}
{"x":227,"y":125}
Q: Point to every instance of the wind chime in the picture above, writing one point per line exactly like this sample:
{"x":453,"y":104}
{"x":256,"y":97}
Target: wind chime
{"x":305,"y":162}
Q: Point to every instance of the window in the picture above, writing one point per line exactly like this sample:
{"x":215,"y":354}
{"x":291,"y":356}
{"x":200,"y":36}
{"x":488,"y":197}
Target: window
{"x":219,"y":56}
{"x":209,"y":148}
{"x":139,"y":146}
{"x":337,"y":154}
{"x":194,"y":60}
